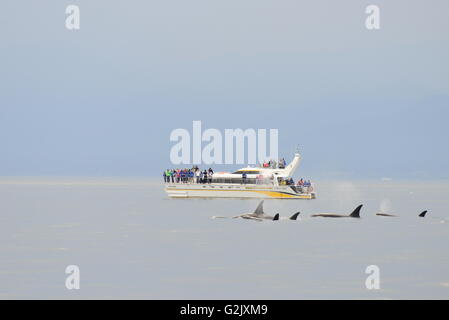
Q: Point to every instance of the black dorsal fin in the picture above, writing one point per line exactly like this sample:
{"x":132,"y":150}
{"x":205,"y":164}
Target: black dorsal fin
{"x":356,"y":212}
{"x":423,"y":214}
{"x":295,"y":216}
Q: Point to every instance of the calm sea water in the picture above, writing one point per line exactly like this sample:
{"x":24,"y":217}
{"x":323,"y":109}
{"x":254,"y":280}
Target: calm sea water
{"x":130,"y":241}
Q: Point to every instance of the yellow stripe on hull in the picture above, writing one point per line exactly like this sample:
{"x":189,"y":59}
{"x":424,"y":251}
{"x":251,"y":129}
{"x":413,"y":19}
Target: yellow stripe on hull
{"x":275,"y":194}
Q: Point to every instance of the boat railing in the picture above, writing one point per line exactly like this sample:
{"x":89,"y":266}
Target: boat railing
{"x":228,"y":181}
{"x":255,"y":181}
{"x":277,"y":166}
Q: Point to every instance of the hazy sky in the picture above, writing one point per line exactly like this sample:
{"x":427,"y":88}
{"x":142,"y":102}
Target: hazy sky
{"x":103,"y":100}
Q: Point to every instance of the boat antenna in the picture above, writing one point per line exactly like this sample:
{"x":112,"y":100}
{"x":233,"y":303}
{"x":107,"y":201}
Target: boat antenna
{"x":297,"y":148}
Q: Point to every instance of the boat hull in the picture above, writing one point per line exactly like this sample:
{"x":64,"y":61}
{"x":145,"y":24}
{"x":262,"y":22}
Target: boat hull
{"x":234,"y":191}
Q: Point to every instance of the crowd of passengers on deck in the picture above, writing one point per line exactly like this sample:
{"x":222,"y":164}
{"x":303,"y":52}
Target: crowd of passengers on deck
{"x":272,"y":164}
{"x":196,"y":175}
{"x":193,"y":175}
{"x":300,"y":183}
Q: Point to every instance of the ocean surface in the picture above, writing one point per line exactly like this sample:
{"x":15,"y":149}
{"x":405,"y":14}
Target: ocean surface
{"x":130,"y":241}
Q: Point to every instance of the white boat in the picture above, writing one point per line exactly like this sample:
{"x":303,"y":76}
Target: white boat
{"x":260,"y":182}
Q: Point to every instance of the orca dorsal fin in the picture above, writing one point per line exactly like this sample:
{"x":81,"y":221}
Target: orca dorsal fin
{"x":276,"y":217}
{"x":423,"y":214}
{"x":295,"y":216}
{"x":356,"y":212}
{"x":259,"y":209}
